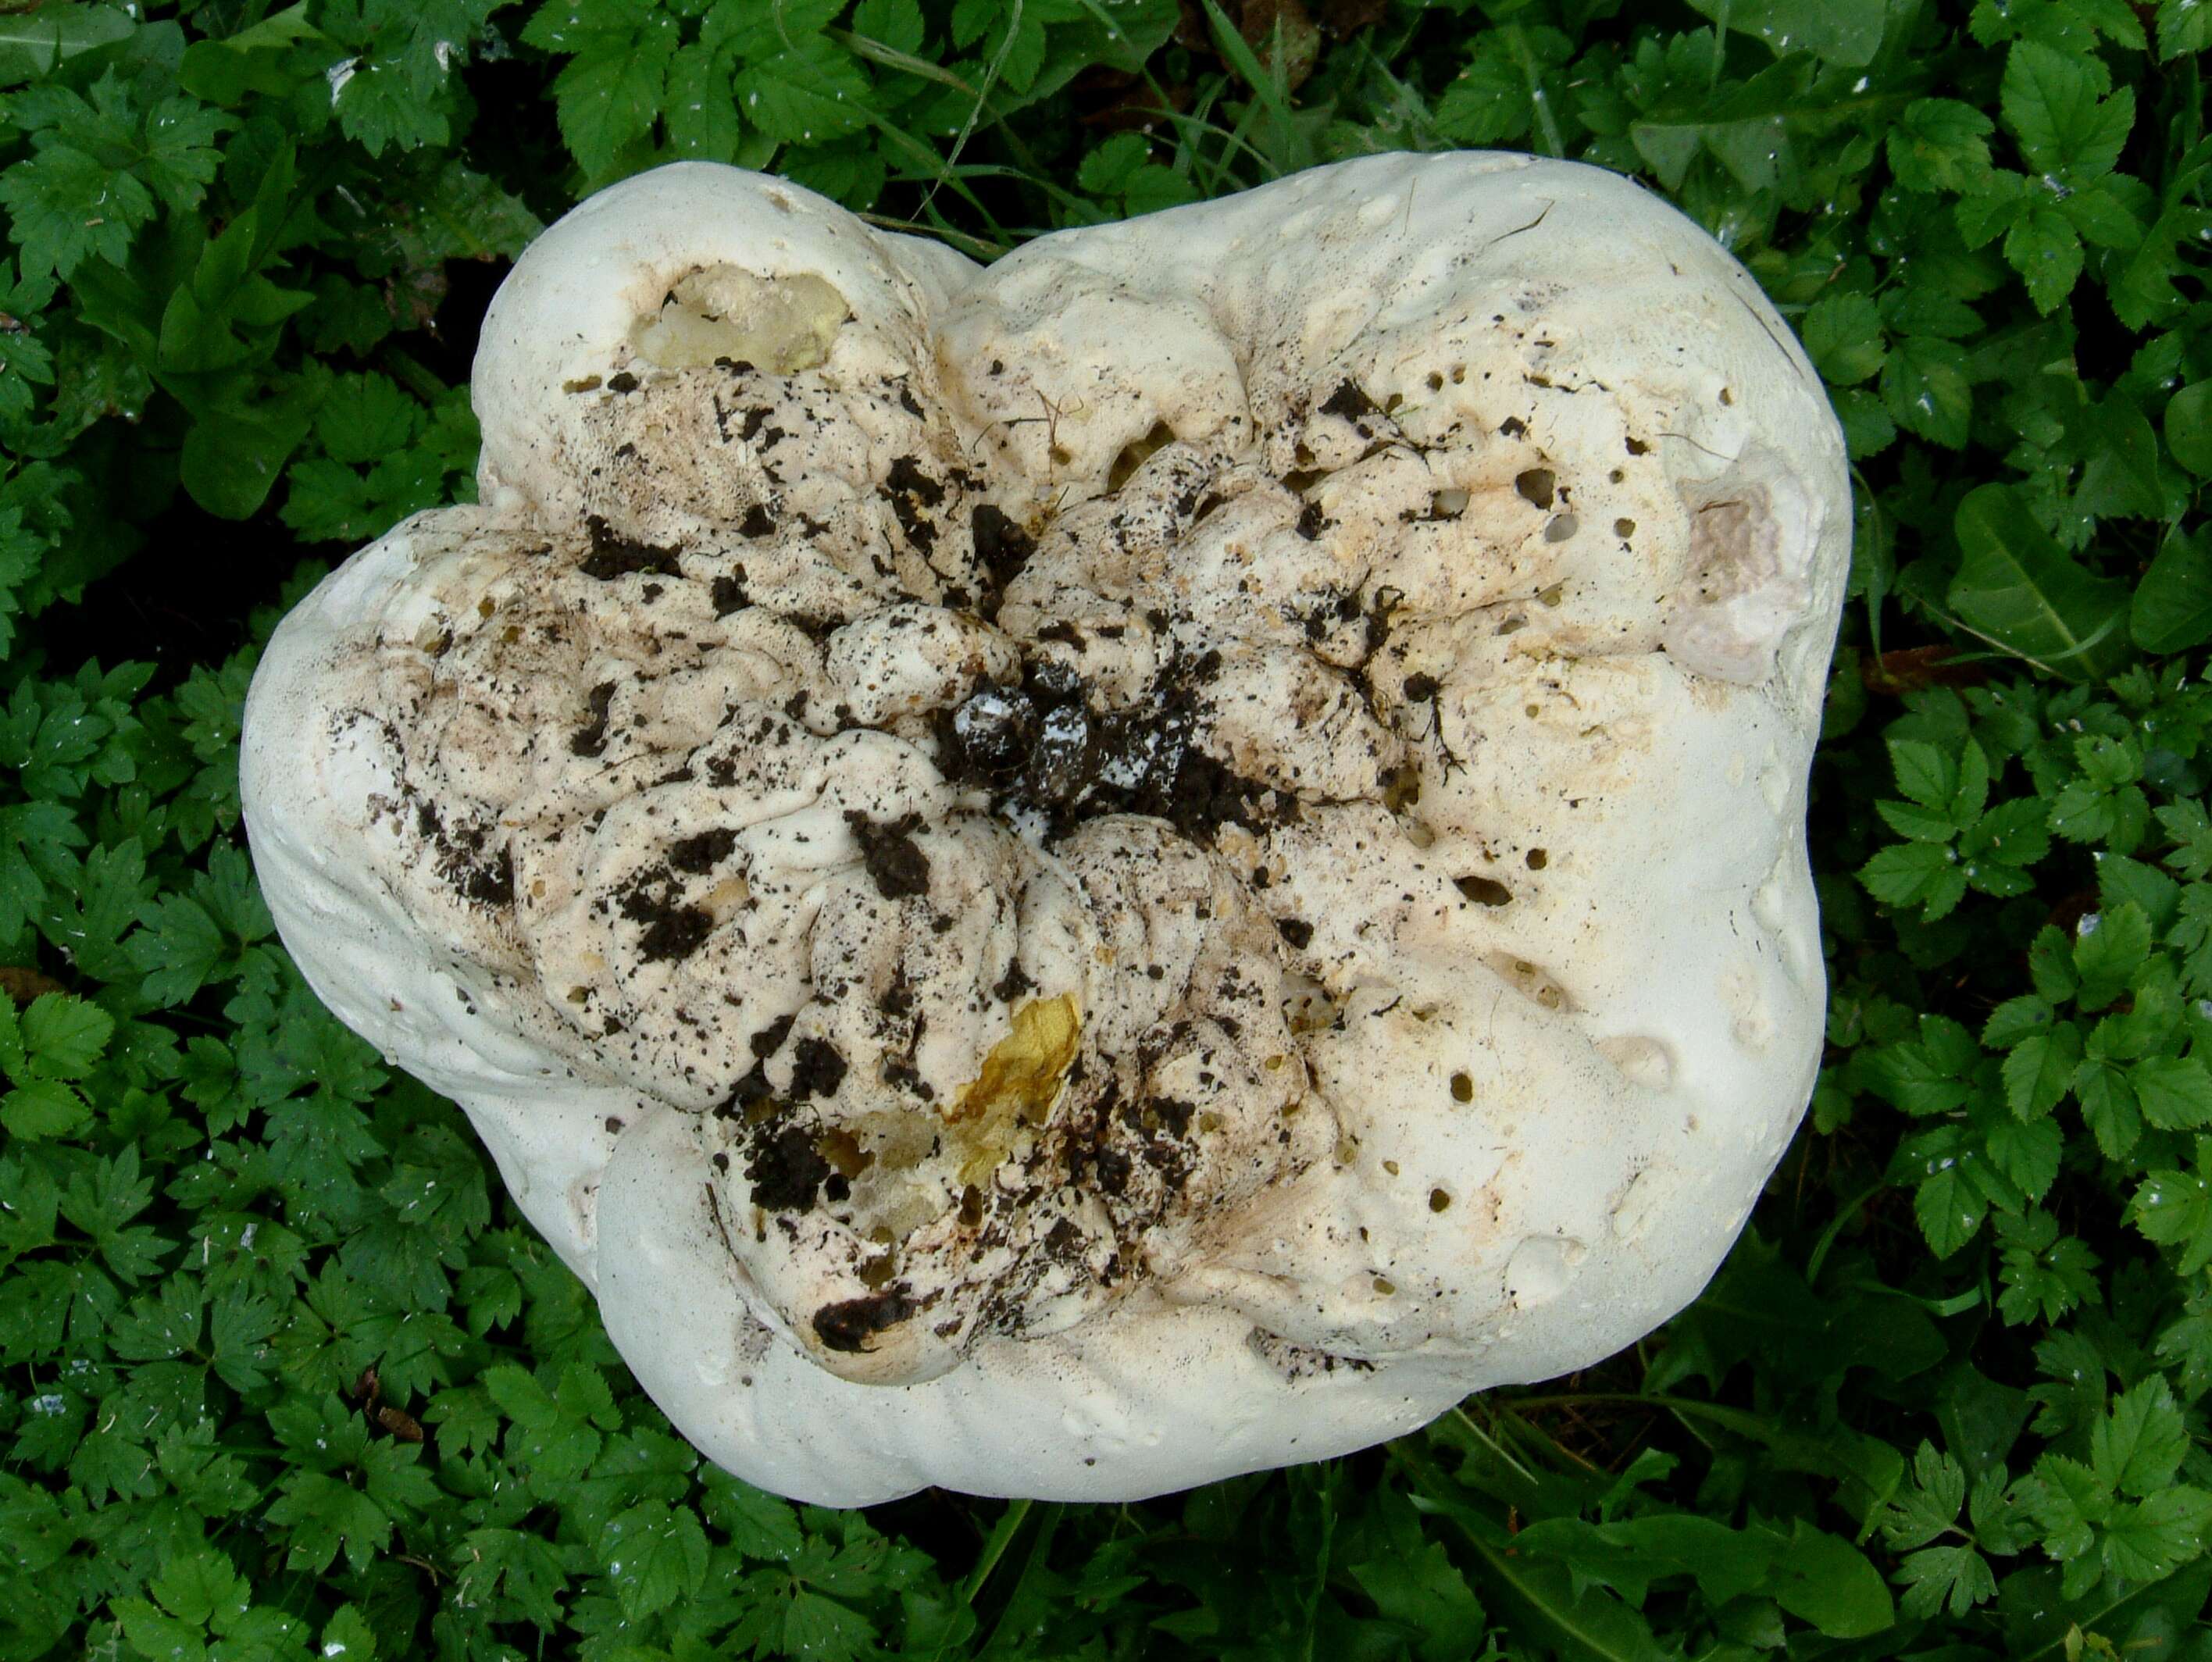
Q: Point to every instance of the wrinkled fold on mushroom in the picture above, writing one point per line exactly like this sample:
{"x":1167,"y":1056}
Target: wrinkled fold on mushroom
{"x":1070,"y":879}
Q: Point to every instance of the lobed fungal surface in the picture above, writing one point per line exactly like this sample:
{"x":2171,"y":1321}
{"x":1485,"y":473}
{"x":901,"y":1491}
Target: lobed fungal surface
{"x":1069,"y":878}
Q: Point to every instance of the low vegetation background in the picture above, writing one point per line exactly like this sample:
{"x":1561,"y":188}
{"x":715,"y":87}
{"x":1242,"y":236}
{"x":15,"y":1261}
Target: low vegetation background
{"x":283,"y":1374}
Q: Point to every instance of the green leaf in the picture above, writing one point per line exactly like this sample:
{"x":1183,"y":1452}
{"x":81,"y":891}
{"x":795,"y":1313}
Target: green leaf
{"x":65,"y":207}
{"x":2139,"y":1445}
{"x":2017,"y":590}
{"x":2174,"y":1208}
{"x":62,"y":1037}
{"x":2038,"y":1070}
{"x":809,"y":95}
{"x":2189,"y":426}
{"x":2175,"y":1093}
{"x":2051,"y":102}
{"x":2046,"y":249}
{"x":1827,"y":1582}
{"x":1922,"y":874}
{"x":610,"y":92}
{"x":2146,"y":1540}
{"x":2184,"y":26}
{"x":1940,"y":144}
{"x":33,"y":42}
{"x":1843,"y":32}
{"x":1948,"y":1208}
{"x":1924,"y":387}
{"x":2171,"y":610}
{"x":655,"y":1555}
{"x":43,"y":1108}
{"x":1844,"y":334}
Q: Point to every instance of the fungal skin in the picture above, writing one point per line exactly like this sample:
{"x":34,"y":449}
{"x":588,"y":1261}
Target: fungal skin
{"x":1071,"y":879}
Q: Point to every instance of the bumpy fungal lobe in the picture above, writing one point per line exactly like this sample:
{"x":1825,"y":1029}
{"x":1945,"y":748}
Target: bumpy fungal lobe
{"x":1070,"y":879}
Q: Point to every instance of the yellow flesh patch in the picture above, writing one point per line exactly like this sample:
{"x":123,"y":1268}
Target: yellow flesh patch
{"x":1019,"y":1079}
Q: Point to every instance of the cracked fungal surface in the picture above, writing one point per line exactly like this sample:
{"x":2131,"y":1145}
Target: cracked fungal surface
{"x":1165,"y":820}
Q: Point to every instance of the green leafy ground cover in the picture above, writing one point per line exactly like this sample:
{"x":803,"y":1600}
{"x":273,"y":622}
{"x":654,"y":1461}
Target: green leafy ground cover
{"x":281,"y":1372}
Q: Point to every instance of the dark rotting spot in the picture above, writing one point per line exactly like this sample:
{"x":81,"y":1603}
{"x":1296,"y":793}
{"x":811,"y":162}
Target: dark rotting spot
{"x":907,"y":477}
{"x":591,"y":739}
{"x":1113,"y":1167}
{"x":1012,"y":985}
{"x":817,"y":1068}
{"x":904,"y":487}
{"x":613,"y":556}
{"x":1638,"y":447}
{"x":769,"y":1040}
{"x":623,"y":382}
{"x":1512,"y":427}
{"x":1349,"y":402}
{"x":1002,"y":549}
{"x":757,"y":523}
{"x":1172,"y":1113}
{"x":492,"y":884}
{"x":890,"y":855}
{"x":1535,"y":485}
{"x":1420,"y":687}
{"x":673,"y":930}
{"x":1310,"y":521}
{"x":846,"y":1326}
{"x":907,"y":400}
{"x":728,"y":593}
{"x":1486,"y":890}
{"x":785,"y":1171}
{"x":1296,"y":930}
{"x":703,"y":854}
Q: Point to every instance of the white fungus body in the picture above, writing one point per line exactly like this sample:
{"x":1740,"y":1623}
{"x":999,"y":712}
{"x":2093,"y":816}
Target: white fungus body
{"x":1072,"y":879}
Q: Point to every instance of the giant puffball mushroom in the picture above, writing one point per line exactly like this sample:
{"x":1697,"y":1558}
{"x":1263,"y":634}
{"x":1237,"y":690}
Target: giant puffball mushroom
{"x":1069,"y":879}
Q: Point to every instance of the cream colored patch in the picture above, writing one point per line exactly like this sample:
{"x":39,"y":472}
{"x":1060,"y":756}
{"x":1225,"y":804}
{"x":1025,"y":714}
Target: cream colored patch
{"x":782,"y":324}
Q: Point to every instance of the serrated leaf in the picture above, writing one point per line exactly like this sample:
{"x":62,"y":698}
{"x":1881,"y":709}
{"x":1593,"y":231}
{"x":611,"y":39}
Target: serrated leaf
{"x":2138,"y":1446}
{"x":808,"y":94}
{"x":2174,"y":1092}
{"x":1924,"y":387}
{"x":653,"y":1555}
{"x":1940,"y":144}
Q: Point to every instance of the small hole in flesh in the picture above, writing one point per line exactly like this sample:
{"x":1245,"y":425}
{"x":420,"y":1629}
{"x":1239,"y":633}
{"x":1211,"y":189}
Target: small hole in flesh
{"x":1463,"y":1088}
{"x":1623,"y":528}
{"x":1536,"y":486}
{"x":1538,"y":860}
{"x":1136,"y":454}
{"x":1439,"y":1201}
{"x":1562,"y":528}
{"x":1385,"y":1285}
